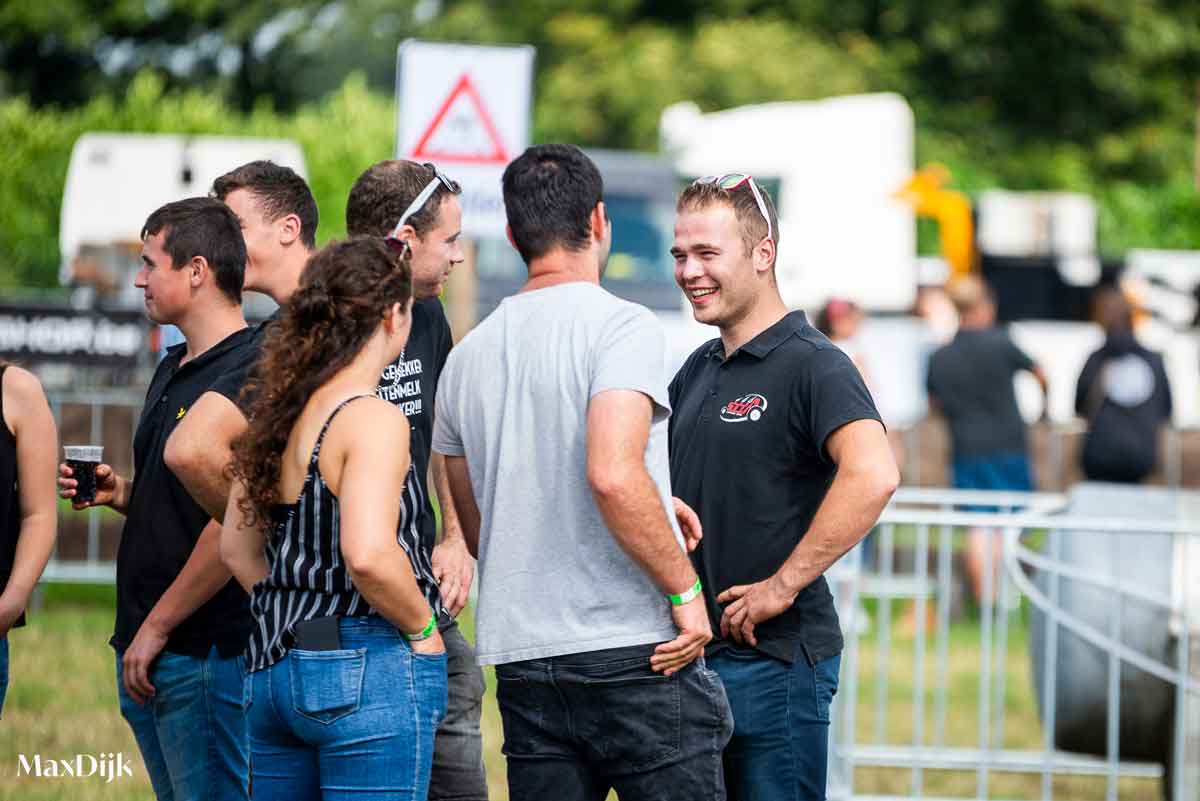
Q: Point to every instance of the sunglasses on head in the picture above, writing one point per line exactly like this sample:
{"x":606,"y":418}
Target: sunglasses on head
{"x":733,"y":180}
{"x":393,"y":239}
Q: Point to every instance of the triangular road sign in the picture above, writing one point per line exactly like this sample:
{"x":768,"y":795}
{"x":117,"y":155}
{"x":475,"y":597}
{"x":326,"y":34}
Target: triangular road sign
{"x":462,"y":130}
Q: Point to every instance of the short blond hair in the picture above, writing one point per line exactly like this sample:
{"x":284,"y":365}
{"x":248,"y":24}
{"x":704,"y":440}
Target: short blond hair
{"x":968,"y":292}
{"x":752,"y":226}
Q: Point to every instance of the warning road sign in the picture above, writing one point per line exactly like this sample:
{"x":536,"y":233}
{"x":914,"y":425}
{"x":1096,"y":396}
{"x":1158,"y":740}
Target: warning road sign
{"x":465,"y":108}
{"x":462,"y":131}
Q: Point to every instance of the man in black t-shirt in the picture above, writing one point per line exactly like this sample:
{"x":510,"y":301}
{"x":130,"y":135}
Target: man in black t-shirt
{"x":278,"y":218}
{"x":776,"y":444}
{"x":181,"y":622}
{"x":970,"y":382}
{"x":418,"y":206}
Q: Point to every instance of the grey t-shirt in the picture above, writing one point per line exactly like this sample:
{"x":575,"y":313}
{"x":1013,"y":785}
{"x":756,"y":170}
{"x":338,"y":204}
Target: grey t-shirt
{"x":513,"y":399}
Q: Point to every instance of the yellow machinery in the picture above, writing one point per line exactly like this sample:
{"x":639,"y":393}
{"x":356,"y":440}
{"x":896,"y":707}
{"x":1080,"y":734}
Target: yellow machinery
{"x":926,"y":192}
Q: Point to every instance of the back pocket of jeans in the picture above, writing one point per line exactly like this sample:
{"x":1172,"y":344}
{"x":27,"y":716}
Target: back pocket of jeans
{"x":327,"y":685}
{"x":630,"y":722}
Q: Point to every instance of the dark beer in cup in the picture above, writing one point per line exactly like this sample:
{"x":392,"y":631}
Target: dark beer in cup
{"x":83,"y":461}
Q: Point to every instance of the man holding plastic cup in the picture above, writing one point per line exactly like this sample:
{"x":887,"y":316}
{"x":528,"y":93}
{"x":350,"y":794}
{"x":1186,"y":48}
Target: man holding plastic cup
{"x":181,"y":622}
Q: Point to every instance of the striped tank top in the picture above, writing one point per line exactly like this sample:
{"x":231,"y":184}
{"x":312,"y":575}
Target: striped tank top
{"x":306,"y":577}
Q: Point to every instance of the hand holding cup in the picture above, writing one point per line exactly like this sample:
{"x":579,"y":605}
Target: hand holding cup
{"x":84,"y":479}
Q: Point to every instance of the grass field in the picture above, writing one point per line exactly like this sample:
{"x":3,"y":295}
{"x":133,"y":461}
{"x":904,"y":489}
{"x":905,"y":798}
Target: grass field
{"x":62,"y":702}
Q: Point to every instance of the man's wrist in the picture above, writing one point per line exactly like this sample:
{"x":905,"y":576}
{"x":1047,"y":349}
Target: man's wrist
{"x":120,"y":491}
{"x":790,"y":581}
{"x":157,"y":624}
{"x":688,"y":595}
{"x":453,"y":533}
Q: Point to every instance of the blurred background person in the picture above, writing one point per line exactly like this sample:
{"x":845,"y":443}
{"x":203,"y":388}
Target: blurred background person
{"x":347,"y":670}
{"x":1124,"y":395}
{"x":970,"y":382}
{"x":28,"y":512}
{"x":841,"y":320}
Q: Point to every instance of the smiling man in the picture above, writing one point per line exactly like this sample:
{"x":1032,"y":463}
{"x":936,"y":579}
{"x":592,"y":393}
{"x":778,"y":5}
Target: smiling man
{"x":181,"y":622}
{"x":776,"y":443}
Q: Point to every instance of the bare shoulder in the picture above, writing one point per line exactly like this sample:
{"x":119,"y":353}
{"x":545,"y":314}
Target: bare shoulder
{"x":23,"y":397}
{"x":369,"y":422}
{"x":22,"y":385}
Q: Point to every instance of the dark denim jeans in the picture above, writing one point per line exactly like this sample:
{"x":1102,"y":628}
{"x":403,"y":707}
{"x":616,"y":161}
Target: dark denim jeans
{"x":192,"y":734}
{"x":346,"y":724}
{"x":458,"y":772}
{"x":576,"y":726}
{"x":780,"y":743}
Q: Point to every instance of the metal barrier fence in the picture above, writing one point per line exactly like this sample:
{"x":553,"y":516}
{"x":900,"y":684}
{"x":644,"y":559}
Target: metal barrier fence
{"x":914,"y":552}
{"x":99,"y":421}
{"x":949,"y":733}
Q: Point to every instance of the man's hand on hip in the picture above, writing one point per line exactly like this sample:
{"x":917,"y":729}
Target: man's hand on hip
{"x":751,"y":605}
{"x":695,"y":632}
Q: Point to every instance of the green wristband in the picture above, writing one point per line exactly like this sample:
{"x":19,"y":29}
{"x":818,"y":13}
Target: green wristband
{"x":426,"y":632}
{"x":686,"y":596}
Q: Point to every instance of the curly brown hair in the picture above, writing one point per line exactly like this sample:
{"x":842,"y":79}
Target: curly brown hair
{"x":344,"y":293}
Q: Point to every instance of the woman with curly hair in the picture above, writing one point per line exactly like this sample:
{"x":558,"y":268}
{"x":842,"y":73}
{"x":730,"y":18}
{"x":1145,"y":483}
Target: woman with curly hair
{"x":346,"y":679}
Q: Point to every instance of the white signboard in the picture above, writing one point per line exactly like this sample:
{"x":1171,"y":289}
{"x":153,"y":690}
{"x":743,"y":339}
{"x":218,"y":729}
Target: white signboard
{"x":465,"y":108}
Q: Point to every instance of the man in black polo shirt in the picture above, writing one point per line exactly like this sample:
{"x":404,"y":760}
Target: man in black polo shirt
{"x":181,"y":622}
{"x":278,"y":218}
{"x":776,"y":444}
{"x":418,"y":205}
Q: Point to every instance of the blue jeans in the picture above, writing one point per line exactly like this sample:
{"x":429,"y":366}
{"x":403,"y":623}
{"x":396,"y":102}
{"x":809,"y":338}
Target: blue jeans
{"x":780,"y":738}
{"x":577,"y":725}
{"x":3,"y":671}
{"x":192,"y":733}
{"x":359,"y":721}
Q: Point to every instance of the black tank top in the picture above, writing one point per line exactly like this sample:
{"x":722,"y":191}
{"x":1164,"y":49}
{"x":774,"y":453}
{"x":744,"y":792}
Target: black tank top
{"x":10,"y":499}
{"x":306,"y":577}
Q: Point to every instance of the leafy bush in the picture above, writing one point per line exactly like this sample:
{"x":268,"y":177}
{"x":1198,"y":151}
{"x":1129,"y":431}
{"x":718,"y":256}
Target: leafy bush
{"x":341,"y":135}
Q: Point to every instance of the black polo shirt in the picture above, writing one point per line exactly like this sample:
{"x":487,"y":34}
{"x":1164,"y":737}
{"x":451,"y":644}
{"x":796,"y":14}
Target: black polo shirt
{"x":163,"y":523}
{"x":410,"y":383}
{"x":232,"y":382}
{"x":971,"y":378}
{"x":748,"y":438}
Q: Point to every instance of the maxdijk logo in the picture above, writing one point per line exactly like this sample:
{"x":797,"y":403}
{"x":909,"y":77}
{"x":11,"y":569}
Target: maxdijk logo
{"x":748,"y":407}
{"x":81,"y":766}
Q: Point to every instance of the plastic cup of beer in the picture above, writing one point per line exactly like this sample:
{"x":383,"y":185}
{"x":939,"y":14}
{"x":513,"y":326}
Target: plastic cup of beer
{"x":83,"y":461}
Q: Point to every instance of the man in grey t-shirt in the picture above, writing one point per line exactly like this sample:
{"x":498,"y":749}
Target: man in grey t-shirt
{"x":552,"y":417}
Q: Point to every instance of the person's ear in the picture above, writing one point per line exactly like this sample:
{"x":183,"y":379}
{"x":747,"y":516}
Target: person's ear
{"x":395,"y":317}
{"x":198,"y":269}
{"x":290,"y":228}
{"x":764,"y":255}
{"x":599,"y":222}
{"x":407,"y":234}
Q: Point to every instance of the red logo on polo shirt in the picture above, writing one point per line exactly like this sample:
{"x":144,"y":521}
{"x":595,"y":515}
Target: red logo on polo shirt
{"x":748,"y":407}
